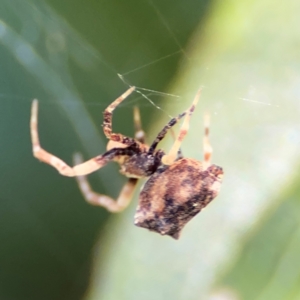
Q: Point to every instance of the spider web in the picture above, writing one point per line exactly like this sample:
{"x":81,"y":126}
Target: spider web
{"x":62,"y":35}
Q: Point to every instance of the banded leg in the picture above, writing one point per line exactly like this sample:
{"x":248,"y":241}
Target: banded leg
{"x":81,"y":169}
{"x":139,"y":132}
{"x":207,"y":148}
{"x":107,"y":123}
{"x":169,"y":158}
{"x":164,"y":131}
{"x":94,"y":198}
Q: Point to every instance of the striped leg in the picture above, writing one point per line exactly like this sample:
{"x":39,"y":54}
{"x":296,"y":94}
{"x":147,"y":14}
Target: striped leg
{"x":139,"y":132}
{"x":107,"y":123}
{"x":169,"y":158}
{"x":164,"y":131}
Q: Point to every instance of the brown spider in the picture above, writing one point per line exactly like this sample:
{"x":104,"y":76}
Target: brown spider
{"x":178,"y":187}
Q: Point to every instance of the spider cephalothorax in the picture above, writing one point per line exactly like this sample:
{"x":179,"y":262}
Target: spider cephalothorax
{"x":177,"y":188}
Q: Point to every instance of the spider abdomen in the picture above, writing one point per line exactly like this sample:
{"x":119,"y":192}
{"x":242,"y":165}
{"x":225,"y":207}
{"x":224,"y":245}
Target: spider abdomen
{"x":174,"y":194}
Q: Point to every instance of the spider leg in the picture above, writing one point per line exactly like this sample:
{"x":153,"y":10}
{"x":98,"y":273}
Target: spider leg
{"x":179,"y":153}
{"x":207,"y":148}
{"x":172,"y":122}
{"x":139,"y":132}
{"x":64,"y":169}
{"x":107,"y":123}
{"x":164,"y":131}
{"x":169,"y":158}
{"x":94,"y":198}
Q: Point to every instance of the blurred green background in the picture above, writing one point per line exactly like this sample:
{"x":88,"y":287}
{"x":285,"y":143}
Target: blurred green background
{"x":68,"y":54}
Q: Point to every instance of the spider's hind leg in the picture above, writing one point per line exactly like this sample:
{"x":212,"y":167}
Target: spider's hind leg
{"x":97,"y":199}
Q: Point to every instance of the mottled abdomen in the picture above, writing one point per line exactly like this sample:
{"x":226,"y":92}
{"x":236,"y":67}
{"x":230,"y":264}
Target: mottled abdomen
{"x":175,"y":194}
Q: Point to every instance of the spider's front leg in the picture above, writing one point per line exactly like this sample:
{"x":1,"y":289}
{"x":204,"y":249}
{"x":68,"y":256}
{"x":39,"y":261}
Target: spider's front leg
{"x":83,"y":168}
{"x":107,"y":123}
{"x":139,"y":132}
{"x":97,"y":199}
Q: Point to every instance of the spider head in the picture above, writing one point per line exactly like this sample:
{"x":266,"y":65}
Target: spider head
{"x":174,"y":194}
{"x":141,"y":164}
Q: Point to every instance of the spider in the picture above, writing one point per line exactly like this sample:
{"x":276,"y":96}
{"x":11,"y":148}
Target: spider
{"x":177,"y":188}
